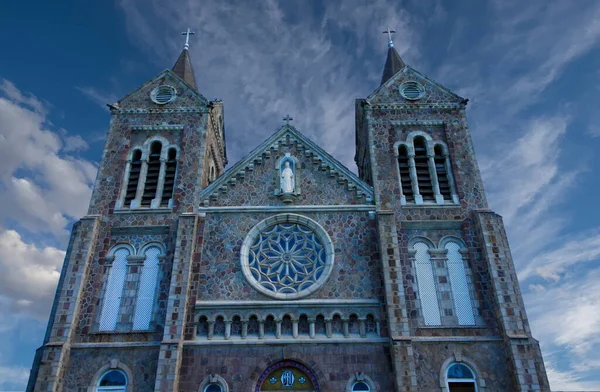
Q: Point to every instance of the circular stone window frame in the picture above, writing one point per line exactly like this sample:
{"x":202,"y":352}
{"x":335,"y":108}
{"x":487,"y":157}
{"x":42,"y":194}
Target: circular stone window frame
{"x":419,"y":87}
{"x":156,"y":91}
{"x":287,"y":218}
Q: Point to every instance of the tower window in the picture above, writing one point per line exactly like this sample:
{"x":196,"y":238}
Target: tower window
{"x":134,"y":177}
{"x":423,"y":170}
{"x":111,"y":305}
{"x":170,"y":171}
{"x":458,"y":281}
{"x":405,"y":181}
{"x":144,"y":307}
{"x":113,"y":380}
{"x":442,"y":174}
{"x":430,"y":306}
{"x":152,"y":174}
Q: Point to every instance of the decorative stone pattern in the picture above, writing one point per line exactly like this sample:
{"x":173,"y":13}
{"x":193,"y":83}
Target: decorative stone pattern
{"x":242,"y":366}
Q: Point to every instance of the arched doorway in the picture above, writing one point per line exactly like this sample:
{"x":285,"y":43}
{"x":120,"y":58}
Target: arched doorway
{"x":287,"y":376}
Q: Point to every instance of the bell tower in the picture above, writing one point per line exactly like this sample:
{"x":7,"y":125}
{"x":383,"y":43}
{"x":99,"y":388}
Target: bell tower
{"x":123,"y":288}
{"x":452,"y":296}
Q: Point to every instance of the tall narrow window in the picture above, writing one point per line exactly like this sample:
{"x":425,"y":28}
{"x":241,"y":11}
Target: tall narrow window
{"x":152,"y":174}
{"x":144,"y":306}
{"x":426,"y":285}
{"x":440,"y":168}
{"x":422,"y":167}
{"x":134,"y":177}
{"x":170,"y":170}
{"x":460,"y":288}
{"x":405,"y":181}
{"x":111,"y":305}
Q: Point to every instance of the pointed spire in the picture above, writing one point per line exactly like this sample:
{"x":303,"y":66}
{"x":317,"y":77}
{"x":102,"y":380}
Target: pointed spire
{"x":393,"y":63}
{"x":183,"y":65}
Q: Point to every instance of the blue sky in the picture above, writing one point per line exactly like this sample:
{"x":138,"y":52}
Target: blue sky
{"x":530,"y":70}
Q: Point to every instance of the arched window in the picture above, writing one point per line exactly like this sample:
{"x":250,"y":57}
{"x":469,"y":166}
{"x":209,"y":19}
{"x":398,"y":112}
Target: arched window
{"x":202,"y":329}
{"x":353,"y":326}
{"x":423,"y":170}
{"x":360,"y":386}
{"x":286,"y":326}
{"x":426,"y":284}
{"x":320,"y":326}
{"x":442,"y":174}
{"x":460,"y":378}
{"x":219,"y":328}
{"x":134,"y":177}
{"x":152,"y":174}
{"x":253,"y":328}
{"x":337,"y":325}
{"x":213,"y":388}
{"x":111,"y":304}
{"x":112,"y":380}
{"x":458,"y":282}
{"x":303,"y":326}
{"x":144,"y":307}
{"x":371,"y":325}
{"x":236,"y":326}
{"x":170,"y":171}
{"x":405,"y":181}
{"x":270,"y":326}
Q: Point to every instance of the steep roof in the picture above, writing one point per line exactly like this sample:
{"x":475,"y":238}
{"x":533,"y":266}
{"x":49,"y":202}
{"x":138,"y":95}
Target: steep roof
{"x":183,"y":69}
{"x":393,"y":64}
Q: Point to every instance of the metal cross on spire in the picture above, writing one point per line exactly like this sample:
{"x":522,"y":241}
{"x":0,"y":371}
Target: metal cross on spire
{"x":389,"y":32}
{"x":287,"y":119}
{"x":187,"y":38}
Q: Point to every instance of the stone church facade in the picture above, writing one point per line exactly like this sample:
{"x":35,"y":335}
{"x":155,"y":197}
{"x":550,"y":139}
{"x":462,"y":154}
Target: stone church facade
{"x":288,"y":271}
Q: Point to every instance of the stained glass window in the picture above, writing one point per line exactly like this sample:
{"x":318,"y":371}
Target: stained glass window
{"x":287,"y":259}
{"x":458,"y":370}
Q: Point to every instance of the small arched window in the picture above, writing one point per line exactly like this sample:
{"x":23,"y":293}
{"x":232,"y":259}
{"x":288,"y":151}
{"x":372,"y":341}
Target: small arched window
{"x":430,"y":306}
{"x":202,"y":329}
{"x":111,"y":303}
{"x":253,"y":328}
{"x":219,"y":328}
{"x":134,"y":177}
{"x":422,"y":168}
{"x":459,"y":285}
{"x":360,"y":386}
{"x":460,"y":378}
{"x":170,"y":171}
{"x":236,"y":326}
{"x":144,"y":307}
{"x":270,"y":326}
{"x":112,"y":380}
{"x":320,"y":325}
{"x":152,"y":174}
{"x":303,"y":326}
{"x":337,"y":325}
{"x":286,"y":326}
{"x":405,"y":181}
{"x":213,"y":388}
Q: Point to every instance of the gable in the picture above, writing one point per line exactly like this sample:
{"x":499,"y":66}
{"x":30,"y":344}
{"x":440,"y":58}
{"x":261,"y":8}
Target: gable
{"x":253,"y":181}
{"x":434,"y":93}
{"x":141,"y":97}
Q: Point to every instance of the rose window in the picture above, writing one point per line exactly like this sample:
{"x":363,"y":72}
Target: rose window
{"x":287,"y":256}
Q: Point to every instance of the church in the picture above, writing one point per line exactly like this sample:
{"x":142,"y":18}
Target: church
{"x":287,"y":271}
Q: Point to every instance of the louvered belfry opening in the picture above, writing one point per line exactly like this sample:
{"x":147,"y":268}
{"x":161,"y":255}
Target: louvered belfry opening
{"x":152,"y":174}
{"x":422,"y":166}
{"x":405,"y":181}
{"x":442,"y":174}
{"x":170,"y":170}
{"x":134,"y":177}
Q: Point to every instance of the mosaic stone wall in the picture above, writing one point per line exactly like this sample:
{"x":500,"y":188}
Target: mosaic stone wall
{"x":487,"y":357}
{"x":241,"y":366}
{"x":84,"y":363}
{"x":354,"y":276}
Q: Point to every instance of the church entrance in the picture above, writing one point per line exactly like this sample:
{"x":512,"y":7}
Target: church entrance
{"x":287,"y":376}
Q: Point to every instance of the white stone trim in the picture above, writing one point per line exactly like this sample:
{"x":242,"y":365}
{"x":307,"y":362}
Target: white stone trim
{"x":294,"y":209}
{"x":360,"y":377}
{"x":459,"y":358}
{"x":114,"y":364}
{"x":213,"y":379}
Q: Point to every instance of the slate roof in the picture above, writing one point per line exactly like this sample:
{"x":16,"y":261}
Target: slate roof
{"x":393,"y":64}
{"x":183,"y":69}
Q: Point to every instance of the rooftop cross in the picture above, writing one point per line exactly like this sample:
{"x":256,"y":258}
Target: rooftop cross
{"x":187,"y":38}
{"x":389,"y":32}
{"x":287,"y":119}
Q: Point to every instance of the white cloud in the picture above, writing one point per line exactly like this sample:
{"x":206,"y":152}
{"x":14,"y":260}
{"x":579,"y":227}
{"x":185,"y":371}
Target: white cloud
{"x":98,"y":97}
{"x":43,"y":185}
{"x":13,"y":377}
{"x":28,"y":275}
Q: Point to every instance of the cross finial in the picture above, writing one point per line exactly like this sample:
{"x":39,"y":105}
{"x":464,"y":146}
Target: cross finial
{"x":389,"y":32}
{"x":287,"y":119}
{"x":187,"y":38}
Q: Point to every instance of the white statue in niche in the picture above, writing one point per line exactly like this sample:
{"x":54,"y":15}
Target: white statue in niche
{"x":287,"y":179}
